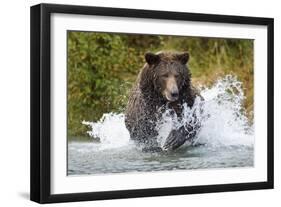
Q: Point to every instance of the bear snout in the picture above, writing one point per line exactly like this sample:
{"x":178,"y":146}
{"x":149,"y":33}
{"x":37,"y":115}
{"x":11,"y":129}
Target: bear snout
{"x":172,"y":95}
{"x":171,"y":91}
{"x":175,"y":94}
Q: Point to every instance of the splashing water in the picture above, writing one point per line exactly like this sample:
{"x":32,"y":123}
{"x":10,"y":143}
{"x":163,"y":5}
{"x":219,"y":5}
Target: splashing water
{"x":221,"y":113}
{"x":111,"y":131}
{"x":227,"y":123}
{"x":226,"y":138}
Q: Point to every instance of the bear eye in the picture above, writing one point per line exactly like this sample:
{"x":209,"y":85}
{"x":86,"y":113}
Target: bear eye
{"x":165,"y":75}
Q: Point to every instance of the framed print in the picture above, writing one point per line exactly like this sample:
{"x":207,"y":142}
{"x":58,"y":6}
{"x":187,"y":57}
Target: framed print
{"x":133,"y":103}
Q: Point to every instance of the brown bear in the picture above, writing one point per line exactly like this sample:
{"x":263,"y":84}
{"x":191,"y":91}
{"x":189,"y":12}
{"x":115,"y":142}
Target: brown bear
{"x":165,"y":80}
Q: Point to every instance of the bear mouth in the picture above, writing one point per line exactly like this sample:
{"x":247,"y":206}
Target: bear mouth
{"x":171,"y":98}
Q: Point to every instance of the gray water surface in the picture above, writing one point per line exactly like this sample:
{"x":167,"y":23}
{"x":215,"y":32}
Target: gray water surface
{"x":89,"y":158}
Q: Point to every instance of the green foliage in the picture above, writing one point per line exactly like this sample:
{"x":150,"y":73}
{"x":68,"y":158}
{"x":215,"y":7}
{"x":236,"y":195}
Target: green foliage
{"x":102,"y":67}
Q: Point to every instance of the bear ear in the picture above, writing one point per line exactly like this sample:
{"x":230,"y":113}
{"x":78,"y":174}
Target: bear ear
{"x":183,"y":57}
{"x":151,"y":58}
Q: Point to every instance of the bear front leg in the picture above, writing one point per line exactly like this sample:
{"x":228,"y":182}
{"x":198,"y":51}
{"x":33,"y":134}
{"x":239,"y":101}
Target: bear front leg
{"x":176,"y":138}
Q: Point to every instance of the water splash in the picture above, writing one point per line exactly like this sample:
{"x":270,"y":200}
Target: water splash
{"x":227,"y":123}
{"x":111,"y":131}
{"x":221,"y":113}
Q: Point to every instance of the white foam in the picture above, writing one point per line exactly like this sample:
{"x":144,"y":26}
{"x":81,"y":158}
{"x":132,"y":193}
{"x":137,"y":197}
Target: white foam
{"x":111,"y":131}
{"x":227,"y":123}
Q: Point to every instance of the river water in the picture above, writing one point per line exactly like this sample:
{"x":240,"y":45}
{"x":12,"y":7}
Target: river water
{"x":226,"y":139}
{"x":86,"y":158}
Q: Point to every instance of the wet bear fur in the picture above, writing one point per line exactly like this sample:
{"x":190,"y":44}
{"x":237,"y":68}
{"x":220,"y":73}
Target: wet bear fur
{"x":163,"y":82}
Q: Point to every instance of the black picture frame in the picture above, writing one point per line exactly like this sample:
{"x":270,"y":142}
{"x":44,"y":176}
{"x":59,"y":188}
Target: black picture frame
{"x":41,"y":98}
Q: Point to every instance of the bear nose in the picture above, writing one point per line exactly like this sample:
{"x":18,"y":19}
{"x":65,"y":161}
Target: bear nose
{"x":175,"y":94}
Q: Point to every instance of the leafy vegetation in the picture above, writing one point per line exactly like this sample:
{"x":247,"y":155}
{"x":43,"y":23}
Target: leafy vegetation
{"x":102,"y":68}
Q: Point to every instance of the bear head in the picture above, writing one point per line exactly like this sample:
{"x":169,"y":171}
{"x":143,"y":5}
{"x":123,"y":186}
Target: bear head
{"x":166,"y":74}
